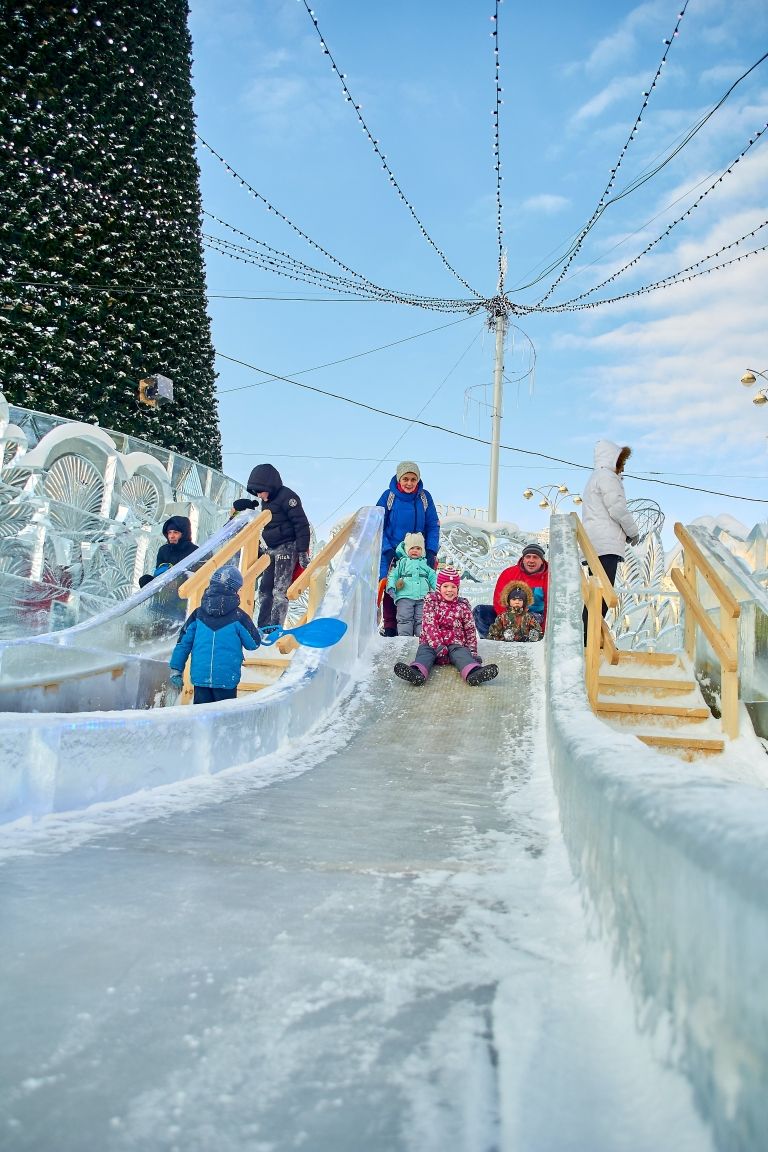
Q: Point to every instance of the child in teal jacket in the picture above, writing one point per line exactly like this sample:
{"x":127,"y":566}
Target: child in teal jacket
{"x":409,"y":582}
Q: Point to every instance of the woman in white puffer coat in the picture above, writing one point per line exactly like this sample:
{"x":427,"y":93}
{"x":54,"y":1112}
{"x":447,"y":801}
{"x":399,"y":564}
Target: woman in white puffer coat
{"x":606,"y":518}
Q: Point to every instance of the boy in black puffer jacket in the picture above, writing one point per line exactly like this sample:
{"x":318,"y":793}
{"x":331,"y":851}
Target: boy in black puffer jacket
{"x":178,"y":532}
{"x":286,"y":539}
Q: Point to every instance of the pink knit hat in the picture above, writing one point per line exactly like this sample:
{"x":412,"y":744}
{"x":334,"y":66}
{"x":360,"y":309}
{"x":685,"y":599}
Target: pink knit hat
{"x":448,"y":576}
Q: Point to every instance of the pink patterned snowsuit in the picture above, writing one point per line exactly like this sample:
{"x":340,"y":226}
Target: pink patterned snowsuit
{"x":448,"y":635}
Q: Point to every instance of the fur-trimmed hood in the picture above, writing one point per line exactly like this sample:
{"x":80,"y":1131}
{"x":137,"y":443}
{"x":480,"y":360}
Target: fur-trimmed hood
{"x":517,"y":586}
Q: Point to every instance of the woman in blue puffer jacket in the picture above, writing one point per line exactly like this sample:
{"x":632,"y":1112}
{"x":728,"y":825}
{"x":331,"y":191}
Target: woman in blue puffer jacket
{"x":215,"y":635}
{"x":408,"y":507}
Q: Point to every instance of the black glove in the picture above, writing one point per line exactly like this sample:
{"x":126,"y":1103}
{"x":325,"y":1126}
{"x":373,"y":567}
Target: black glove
{"x":242,"y":505}
{"x":432,"y":559}
{"x":303,"y":559}
{"x":144,"y":580}
{"x":633,"y":540}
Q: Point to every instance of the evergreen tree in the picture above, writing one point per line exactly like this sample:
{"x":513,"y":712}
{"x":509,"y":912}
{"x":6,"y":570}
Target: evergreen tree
{"x":101,"y":271}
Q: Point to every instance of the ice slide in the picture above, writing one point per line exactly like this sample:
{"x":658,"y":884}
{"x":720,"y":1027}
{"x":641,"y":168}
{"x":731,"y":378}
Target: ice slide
{"x":372,"y":938}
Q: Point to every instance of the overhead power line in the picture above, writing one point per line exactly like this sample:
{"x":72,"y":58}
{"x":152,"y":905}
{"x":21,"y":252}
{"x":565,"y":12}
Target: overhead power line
{"x":346,"y":359}
{"x":477,"y":439}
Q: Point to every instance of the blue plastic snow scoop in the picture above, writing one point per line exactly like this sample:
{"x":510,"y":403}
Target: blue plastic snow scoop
{"x":320,"y":633}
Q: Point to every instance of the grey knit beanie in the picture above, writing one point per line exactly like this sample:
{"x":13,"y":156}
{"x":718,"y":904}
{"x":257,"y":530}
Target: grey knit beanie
{"x":407,"y":466}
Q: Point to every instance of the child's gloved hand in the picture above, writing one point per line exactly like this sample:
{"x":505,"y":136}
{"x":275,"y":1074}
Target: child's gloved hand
{"x":303,"y":559}
{"x":177,"y":680}
{"x":400,"y":584}
{"x":534,"y":636}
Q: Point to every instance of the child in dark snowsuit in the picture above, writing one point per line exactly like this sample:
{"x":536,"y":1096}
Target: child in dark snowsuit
{"x":517,"y":622}
{"x":215,"y":635}
{"x":286,"y":539}
{"x":178,"y":532}
{"x":448,"y":636}
{"x":409,"y":582}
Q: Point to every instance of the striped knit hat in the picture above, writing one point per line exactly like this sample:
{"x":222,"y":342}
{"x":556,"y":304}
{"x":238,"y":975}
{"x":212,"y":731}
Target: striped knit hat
{"x":448,"y":576}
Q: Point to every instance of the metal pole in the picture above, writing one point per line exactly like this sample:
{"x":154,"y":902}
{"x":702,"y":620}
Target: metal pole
{"x":498,"y":389}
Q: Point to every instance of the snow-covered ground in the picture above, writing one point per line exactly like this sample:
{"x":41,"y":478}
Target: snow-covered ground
{"x":387,"y":951}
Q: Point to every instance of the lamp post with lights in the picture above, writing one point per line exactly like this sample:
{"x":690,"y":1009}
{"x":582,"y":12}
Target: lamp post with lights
{"x":552,"y":495}
{"x":750,"y":378}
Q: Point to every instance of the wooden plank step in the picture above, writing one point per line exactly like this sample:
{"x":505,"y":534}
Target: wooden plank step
{"x":624,"y":683}
{"x":687,"y":743}
{"x":246,"y":686}
{"x":625,"y":709}
{"x":267,"y":661}
{"x":666,"y":659}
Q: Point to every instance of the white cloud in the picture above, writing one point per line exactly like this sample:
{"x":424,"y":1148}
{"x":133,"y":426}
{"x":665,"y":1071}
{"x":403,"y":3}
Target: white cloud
{"x":546,"y":202}
{"x":608,"y":96}
{"x":619,"y":45}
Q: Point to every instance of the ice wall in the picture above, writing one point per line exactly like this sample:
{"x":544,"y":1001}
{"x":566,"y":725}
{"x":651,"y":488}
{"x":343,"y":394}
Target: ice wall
{"x":58,"y":762}
{"x":673,"y":863}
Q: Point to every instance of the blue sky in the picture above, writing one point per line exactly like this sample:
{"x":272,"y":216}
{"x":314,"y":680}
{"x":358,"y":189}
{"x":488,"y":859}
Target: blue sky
{"x":659,"y":371}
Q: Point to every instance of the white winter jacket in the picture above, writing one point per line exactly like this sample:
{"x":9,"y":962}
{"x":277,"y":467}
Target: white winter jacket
{"x":604,"y":512}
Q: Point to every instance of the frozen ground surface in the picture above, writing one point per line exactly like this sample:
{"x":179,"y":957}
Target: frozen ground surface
{"x":375,"y":945}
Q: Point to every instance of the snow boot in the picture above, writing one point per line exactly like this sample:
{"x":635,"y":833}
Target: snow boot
{"x":410,"y":673}
{"x":481,"y":673}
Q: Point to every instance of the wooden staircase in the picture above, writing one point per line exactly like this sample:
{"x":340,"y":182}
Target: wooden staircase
{"x":655,"y":696}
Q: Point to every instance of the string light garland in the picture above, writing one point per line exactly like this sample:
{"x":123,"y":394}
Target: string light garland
{"x":601,"y":205}
{"x":279,"y":262}
{"x":705,"y":259}
{"x":357,"y":108}
{"x":674,"y":278}
{"x":497,"y":146}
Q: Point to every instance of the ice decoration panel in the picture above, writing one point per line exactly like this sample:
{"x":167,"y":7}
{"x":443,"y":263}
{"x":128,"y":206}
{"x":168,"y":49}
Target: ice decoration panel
{"x":81,"y":515}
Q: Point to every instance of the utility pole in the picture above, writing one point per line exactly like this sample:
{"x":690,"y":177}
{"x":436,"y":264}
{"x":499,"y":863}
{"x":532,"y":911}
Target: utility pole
{"x":499,"y":319}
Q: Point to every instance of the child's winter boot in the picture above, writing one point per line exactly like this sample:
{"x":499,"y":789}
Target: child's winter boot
{"x":480,"y":673}
{"x":410,"y":673}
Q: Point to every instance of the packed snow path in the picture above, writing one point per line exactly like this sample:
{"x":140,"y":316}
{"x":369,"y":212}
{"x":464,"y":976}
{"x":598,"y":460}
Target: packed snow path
{"x":384,"y":953}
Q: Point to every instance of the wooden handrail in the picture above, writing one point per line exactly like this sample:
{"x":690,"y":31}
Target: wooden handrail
{"x":596,"y":568}
{"x":723,"y":593}
{"x":201,"y":579}
{"x":321,"y":560}
{"x":724,"y":640}
{"x":722,"y":650}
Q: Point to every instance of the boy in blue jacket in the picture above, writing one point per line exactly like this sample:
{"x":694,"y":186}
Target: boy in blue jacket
{"x":215,"y":635}
{"x":409,"y":582}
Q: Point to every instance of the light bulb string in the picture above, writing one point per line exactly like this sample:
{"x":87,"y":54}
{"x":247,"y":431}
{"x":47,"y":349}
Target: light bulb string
{"x":377,"y":149}
{"x":601,"y":205}
{"x":663,"y":235}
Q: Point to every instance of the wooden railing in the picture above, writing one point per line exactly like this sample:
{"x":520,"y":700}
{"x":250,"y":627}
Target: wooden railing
{"x":246,"y":542}
{"x":724,"y":640}
{"x":251,"y":565}
{"x":596,"y":589}
{"x":315,"y":577}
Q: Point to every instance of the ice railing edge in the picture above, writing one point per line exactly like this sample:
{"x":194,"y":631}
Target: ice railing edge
{"x":63,"y":762}
{"x":673,"y":862}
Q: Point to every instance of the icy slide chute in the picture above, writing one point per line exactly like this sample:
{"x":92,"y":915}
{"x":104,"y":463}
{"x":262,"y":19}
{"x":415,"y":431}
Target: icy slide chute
{"x":674,"y":862}
{"x":58,"y":762}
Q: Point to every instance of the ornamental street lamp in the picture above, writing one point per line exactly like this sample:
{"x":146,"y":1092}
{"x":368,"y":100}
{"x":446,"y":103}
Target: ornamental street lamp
{"x":750,"y":378}
{"x":552,"y":495}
